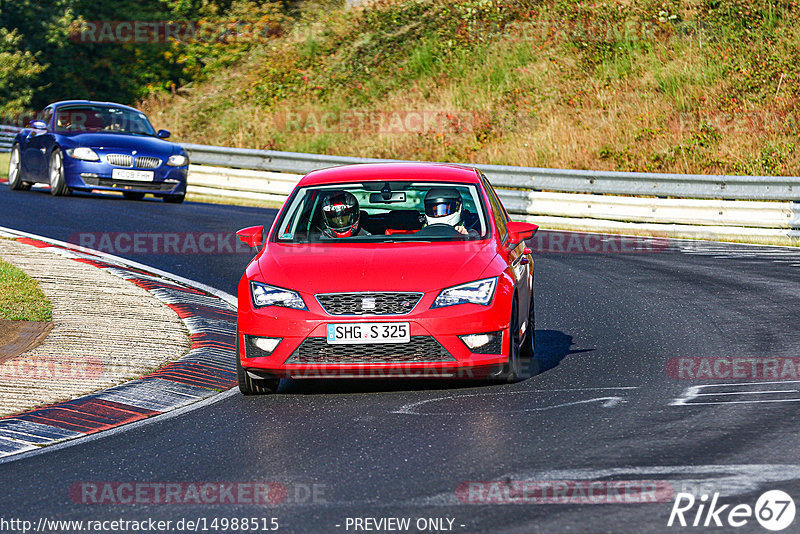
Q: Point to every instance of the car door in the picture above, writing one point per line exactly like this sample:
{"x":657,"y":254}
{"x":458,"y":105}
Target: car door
{"x":37,"y":144}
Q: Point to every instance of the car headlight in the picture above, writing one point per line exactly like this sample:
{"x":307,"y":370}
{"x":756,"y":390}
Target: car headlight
{"x":266,"y":295}
{"x":177,"y":160}
{"x":477,"y":292}
{"x":84,"y":153}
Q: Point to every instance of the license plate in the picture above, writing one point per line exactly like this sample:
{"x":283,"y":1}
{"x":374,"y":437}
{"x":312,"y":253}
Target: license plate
{"x":130,"y":174}
{"x":358,"y":333}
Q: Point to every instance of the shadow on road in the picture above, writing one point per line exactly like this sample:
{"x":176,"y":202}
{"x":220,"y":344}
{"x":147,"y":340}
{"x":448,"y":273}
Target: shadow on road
{"x":551,"y":346}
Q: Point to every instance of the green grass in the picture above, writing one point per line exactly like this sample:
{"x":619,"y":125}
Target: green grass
{"x":21,"y":299}
{"x":695,"y":86}
{"x":4,"y":159}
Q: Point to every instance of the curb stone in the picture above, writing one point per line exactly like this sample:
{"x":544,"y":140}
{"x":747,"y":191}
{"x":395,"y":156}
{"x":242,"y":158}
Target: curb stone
{"x":206,"y":370}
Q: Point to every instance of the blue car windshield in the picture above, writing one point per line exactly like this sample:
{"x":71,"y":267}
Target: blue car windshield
{"x":102,"y":119}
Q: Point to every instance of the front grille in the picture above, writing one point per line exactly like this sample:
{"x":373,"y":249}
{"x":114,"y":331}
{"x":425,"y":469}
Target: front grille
{"x":120,"y":160}
{"x":419,"y":349}
{"x":123,"y":185}
{"x":388,"y":303}
{"x":146,"y":162}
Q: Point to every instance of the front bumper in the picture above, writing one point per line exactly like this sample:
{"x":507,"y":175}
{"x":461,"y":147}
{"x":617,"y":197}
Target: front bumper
{"x":96,"y":176}
{"x":435,"y":350}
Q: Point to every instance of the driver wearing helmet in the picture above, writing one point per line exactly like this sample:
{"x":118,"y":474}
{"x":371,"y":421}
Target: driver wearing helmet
{"x":340,"y":215}
{"x":443,"y":206}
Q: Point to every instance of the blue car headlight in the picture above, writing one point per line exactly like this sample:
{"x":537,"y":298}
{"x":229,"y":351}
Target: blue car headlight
{"x":84,"y":153}
{"x":177,"y":160}
{"x":265,"y":295}
{"x":477,"y":292}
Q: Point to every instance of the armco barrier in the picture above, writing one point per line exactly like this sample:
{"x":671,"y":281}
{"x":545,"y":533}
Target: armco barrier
{"x":761,"y":208}
{"x":575,"y":181}
{"x":7,"y":134}
{"x":728,"y":207}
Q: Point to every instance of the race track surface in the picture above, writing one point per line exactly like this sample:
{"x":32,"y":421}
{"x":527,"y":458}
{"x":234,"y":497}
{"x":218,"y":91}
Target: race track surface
{"x":607,"y":405}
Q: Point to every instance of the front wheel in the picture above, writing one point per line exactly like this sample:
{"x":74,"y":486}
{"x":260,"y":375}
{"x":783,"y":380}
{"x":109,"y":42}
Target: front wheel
{"x":249,"y":385}
{"x":15,"y":171}
{"x":58,"y":183}
{"x":511,"y":371}
{"x":528,"y":345}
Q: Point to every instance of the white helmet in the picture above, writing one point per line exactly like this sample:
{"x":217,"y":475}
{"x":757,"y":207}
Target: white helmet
{"x":443,"y":206}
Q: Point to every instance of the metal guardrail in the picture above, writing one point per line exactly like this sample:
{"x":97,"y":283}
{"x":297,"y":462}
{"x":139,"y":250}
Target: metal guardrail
{"x":740,"y":203}
{"x":7,"y":135}
{"x":532,"y":178}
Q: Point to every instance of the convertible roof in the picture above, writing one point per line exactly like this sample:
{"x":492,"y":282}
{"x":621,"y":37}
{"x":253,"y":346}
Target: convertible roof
{"x":382,"y":172}
{"x":90,"y":103}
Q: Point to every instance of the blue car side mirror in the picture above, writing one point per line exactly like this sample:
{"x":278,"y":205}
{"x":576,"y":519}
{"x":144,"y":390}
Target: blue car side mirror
{"x":163,"y":134}
{"x":38,"y":125}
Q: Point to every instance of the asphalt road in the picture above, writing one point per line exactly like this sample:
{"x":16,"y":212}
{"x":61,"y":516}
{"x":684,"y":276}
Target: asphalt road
{"x":602,"y":408}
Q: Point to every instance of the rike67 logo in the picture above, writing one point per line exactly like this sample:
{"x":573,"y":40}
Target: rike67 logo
{"x":774,"y":510}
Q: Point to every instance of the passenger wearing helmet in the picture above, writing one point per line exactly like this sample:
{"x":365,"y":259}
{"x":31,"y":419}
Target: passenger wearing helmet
{"x":443,"y":206}
{"x":340,"y":215}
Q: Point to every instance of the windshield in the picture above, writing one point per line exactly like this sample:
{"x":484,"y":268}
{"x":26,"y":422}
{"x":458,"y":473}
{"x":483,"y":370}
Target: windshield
{"x":383,"y":211}
{"x":102,"y":119}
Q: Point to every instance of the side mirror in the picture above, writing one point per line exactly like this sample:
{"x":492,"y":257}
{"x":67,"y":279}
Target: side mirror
{"x":38,"y":125}
{"x":519,"y":232}
{"x":163,"y":134}
{"x":253,"y":236}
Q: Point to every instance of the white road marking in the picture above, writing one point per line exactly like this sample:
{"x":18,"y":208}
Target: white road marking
{"x":706,"y":390}
{"x":608,"y":402}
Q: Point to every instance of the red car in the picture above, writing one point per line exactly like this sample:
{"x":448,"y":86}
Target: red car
{"x":399,"y":270}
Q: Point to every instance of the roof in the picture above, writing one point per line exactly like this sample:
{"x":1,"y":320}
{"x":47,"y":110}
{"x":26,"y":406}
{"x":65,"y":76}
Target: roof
{"x":382,"y":172}
{"x":90,"y":103}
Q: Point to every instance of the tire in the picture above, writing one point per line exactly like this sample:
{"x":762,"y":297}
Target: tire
{"x":58,"y":183}
{"x":174,"y":199}
{"x":132,"y":196}
{"x":249,"y":385}
{"x":15,"y":171}
{"x":512,"y":371}
{"x":527,"y":349}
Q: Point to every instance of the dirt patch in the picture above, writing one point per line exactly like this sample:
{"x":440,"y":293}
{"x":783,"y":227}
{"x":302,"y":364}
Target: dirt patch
{"x":17,"y":337}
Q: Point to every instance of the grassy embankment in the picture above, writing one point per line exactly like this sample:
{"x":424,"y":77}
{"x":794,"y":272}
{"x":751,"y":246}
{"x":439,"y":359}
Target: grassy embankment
{"x":696,"y":86}
{"x":21,"y":299}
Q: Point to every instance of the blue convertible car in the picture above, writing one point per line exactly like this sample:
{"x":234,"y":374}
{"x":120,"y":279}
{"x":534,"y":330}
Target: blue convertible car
{"x":85,"y":146}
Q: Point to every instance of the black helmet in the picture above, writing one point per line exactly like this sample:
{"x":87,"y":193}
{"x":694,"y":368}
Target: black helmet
{"x":340,"y":213}
{"x":443,"y":206}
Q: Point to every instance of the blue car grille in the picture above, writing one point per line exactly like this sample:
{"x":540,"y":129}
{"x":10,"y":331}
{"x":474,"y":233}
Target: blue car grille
{"x":146,"y":162}
{"x":120,"y":160}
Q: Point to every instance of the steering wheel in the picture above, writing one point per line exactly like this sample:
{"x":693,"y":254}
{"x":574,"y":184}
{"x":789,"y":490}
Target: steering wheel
{"x":439,"y":229}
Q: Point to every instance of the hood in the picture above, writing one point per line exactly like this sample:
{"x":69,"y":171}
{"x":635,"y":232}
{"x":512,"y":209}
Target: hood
{"x":322,"y":268}
{"x":145,"y":144}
